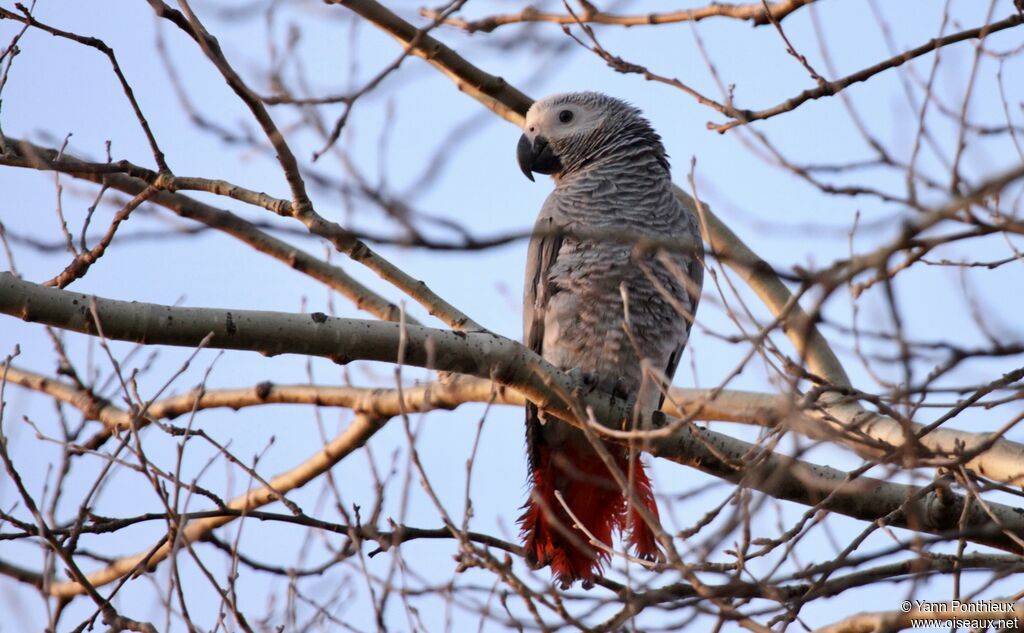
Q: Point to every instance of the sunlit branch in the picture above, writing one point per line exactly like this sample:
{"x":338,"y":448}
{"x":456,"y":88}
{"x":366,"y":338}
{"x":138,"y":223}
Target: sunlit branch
{"x":509,"y":363}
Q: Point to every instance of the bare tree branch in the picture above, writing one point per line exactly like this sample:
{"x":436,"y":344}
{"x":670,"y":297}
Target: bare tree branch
{"x":927,"y":421}
{"x":994,"y":457}
{"x":830,"y":88}
{"x":133,"y":180}
{"x":757,"y":13}
{"x":509,"y":363}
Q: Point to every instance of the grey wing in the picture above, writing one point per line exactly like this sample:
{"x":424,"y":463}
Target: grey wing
{"x":695,"y":271}
{"x":541,"y":254}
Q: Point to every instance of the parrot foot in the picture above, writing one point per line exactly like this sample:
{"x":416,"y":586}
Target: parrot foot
{"x":644,"y":420}
{"x":586,"y":382}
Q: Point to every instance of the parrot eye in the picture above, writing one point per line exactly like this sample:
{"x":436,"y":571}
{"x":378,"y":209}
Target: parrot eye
{"x":565,"y":116}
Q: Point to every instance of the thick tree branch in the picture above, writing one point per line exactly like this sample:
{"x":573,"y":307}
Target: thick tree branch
{"x":758,"y":274}
{"x":511,"y":364}
{"x":871,"y":436}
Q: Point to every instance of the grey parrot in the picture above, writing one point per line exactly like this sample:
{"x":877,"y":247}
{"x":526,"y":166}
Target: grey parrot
{"x":614,"y":316}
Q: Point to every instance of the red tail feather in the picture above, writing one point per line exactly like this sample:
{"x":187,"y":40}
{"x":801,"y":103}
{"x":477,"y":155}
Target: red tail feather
{"x":590,"y":491}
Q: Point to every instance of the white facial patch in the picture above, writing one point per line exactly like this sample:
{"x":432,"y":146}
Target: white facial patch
{"x":547,"y":118}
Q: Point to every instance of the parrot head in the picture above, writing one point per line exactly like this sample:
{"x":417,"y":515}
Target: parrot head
{"x":564,"y":132}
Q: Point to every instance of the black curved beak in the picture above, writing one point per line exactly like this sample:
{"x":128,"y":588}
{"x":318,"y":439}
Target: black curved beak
{"x":536,"y":157}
